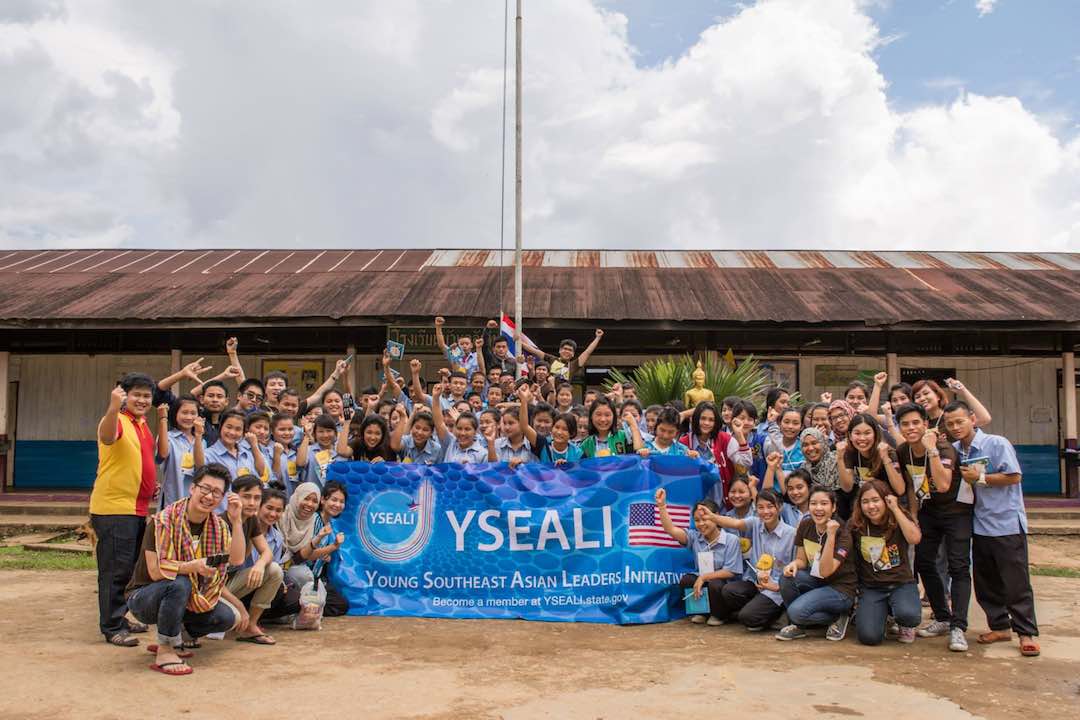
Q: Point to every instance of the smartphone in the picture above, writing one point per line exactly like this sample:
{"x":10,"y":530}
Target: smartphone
{"x":216,"y":560}
{"x":349,"y":358}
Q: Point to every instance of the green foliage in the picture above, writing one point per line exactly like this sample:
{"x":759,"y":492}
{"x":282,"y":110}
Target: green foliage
{"x":665,"y":379}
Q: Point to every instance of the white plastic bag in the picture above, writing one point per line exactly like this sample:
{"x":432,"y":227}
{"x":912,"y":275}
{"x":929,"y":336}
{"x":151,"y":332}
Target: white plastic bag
{"x":312,"y":602}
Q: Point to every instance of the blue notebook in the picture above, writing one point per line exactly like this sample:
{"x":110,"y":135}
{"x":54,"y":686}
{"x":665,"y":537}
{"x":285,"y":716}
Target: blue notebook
{"x":697,"y":606}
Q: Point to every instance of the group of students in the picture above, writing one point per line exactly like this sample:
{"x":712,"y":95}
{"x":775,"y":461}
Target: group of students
{"x":857,"y":502}
{"x":246,"y":510}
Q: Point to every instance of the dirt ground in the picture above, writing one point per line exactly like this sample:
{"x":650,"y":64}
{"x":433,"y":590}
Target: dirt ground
{"x":56,"y":666}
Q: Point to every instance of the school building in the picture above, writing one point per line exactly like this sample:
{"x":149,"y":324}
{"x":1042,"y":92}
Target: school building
{"x":73,"y":321}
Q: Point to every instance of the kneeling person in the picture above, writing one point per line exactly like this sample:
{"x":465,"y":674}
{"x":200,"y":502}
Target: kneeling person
{"x":181,"y":572}
{"x":258,"y":576}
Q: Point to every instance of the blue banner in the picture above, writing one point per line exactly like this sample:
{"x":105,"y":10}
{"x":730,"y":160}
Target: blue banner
{"x":578,"y":542}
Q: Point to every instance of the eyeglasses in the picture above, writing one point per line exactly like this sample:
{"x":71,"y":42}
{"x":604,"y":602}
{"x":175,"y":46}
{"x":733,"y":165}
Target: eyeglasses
{"x":253,"y":396}
{"x":216,"y":494}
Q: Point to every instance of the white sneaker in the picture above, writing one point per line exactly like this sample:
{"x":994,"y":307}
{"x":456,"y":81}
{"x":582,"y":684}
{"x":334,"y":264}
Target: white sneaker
{"x":934,"y":629}
{"x":957,"y":641}
{"x":697,"y":619}
{"x":714,"y":621}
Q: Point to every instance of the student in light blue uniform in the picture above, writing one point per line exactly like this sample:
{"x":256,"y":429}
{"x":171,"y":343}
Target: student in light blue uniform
{"x":460,"y":446}
{"x":989,"y":468}
{"x":233,"y":450}
{"x":317,"y":451}
{"x":755,"y":599}
{"x":518,"y":437}
{"x":796,"y":497}
{"x":285,"y":471}
{"x":714,"y":553}
{"x":742,"y":501}
{"x":179,"y":450}
{"x":414,"y":441}
{"x":559,"y":447}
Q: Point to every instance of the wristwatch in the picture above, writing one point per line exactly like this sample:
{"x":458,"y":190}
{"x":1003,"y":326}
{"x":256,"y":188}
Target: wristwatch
{"x":933,"y":453}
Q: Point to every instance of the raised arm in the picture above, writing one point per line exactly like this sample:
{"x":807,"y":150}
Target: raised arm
{"x":982,"y":415}
{"x":875,"y":395}
{"x":896,"y":480}
{"x":727,"y":522}
{"x":440,"y":340}
{"x":198,"y":452}
{"x":907,"y":526}
{"x":256,"y":453}
{"x":234,"y":358}
{"x":402,"y":427}
{"x":525,"y":397}
{"x":192,"y":371}
{"x":231,"y":372}
{"x":343,"y":448}
{"x":339,"y":369}
{"x":107,"y":430}
{"x":940,"y":476}
{"x":303,"y":450}
{"x":437,"y":414}
{"x":774,"y":474}
{"x":163,"y":431}
{"x":827,"y":563}
{"x":847,"y":475}
{"x":583,"y":358}
{"x":677,"y":533}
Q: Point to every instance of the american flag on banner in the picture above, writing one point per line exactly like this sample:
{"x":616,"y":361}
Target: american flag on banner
{"x":645,"y":527}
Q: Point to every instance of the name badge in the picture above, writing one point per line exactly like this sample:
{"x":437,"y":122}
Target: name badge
{"x":187,"y":461}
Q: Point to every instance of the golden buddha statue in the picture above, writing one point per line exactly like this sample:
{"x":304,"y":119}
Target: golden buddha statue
{"x":698,"y":393}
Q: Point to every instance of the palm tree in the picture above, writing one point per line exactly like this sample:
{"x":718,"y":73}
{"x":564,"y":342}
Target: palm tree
{"x":665,"y":379}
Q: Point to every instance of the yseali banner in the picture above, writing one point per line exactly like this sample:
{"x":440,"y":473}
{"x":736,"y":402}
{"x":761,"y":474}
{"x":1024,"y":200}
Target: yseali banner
{"x":579,"y":542}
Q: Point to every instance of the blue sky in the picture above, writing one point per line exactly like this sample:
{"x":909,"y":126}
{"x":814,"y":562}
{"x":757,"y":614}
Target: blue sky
{"x":1023,"y":48}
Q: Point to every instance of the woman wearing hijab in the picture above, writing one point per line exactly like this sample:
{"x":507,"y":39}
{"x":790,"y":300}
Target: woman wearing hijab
{"x":820,"y":460}
{"x":297,"y":526}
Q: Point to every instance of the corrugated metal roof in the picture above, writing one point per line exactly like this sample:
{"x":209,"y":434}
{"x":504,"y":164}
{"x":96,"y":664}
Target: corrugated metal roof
{"x":87,"y":286}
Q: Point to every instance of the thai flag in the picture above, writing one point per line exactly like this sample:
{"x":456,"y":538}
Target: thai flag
{"x":507,"y":330}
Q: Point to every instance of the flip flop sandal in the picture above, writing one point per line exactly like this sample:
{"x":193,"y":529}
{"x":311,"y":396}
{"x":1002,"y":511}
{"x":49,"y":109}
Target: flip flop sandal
{"x":161,"y":668}
{"x":137,"y":627}
{"x":180,"y":652}
{"x":122,"y":639}
{"x":994,"y":636}
{"x":262,"y":639}
{"x":1030,"y":648}
{"x":191,"y":645}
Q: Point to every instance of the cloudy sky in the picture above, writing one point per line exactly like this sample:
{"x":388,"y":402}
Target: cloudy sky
{"x":843,"y":124}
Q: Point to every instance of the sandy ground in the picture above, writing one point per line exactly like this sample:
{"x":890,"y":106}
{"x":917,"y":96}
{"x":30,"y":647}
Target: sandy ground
{"x":56,"y":666}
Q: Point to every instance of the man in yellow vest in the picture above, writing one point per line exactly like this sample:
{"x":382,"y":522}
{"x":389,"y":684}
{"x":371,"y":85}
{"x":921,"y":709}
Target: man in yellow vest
{"x":125,"y":485}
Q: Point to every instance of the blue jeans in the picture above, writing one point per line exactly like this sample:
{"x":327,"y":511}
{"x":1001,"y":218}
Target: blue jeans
{"x":164,"y":603}
{"x":877,"y":603}
{"x":812,"y":602}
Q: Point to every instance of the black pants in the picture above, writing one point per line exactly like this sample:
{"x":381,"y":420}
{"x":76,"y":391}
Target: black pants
{"x":953,"y":532}
{"x":336,"y":603}
{"x":286,"y":602}
{"x":712,"y":587}
{"x":1002,"y":584}
{"x":119,"y":538}
{"x":740,"y":599}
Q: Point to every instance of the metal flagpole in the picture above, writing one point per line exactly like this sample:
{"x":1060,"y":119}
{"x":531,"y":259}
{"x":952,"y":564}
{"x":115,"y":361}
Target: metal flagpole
{"x":517,"y":186}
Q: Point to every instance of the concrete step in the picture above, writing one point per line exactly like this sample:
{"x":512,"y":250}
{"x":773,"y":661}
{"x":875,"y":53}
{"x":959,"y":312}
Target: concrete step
{"x":32,"y":538}
{"x":28,"y":524}
{"x":11,"y":508}
{"x":1054,"y":514}
{"x":1053,"y":527}
{"x":69,"y":547}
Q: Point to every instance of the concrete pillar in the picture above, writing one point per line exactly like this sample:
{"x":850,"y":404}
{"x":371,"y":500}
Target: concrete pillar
{"x":1068,"y":386}
{"x":354,"y":370}
{"x":892,"y":366}
{"x":175,"y":364}
{"x":5,"y":456}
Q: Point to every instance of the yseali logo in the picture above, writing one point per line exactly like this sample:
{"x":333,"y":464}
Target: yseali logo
{"x":395,"y":527}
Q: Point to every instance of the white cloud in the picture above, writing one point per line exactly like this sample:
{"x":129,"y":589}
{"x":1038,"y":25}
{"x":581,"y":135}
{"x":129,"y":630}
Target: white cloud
{"x":985,"y":7}
{"x":152,"y":124}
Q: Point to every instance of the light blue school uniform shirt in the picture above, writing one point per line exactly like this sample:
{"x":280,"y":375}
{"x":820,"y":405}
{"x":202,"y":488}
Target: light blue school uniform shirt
{"x":676,"y":449}
{"x":177,"y":470}
{"x":505,"y":452}
{"x":240,"y":464}
{"x":999,"y":509}
{"x":315,"y":470}
{"x":454,"y":453}
{"x":724,"y":549}
{"x":780,"y":543}
{"x":276,"y":541}
{"x":428,"y":455}
{"x":743,"y":535}
{"x":287,"y":472}
{"x":791,"y":515}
